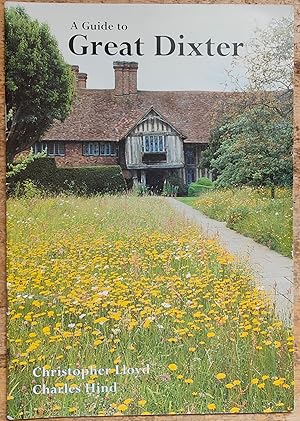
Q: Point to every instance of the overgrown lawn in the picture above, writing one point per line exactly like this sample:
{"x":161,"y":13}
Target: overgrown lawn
{"x":251,"y":212}
{"x":108,"y":282}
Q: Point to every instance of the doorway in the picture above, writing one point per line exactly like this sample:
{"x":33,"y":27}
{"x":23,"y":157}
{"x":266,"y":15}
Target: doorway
{"x":155,"y":180}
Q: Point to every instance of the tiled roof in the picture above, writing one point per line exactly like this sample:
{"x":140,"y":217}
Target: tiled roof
{"x":101,"y":115}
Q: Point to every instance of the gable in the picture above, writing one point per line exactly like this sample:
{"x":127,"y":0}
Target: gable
{"x":153,"y":122}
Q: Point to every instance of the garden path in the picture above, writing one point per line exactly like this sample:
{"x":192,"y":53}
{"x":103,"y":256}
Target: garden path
{"x":271,"y":269}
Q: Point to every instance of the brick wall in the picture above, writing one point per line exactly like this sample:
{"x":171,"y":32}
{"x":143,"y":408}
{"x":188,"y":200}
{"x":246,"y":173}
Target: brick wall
{"x":74,"y":158}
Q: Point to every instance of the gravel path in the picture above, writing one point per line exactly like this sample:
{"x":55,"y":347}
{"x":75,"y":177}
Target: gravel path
{"x":272,"y":270}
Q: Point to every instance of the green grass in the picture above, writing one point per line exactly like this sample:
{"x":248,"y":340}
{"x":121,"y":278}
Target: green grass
{"x":253,"y":213}
{"x":108,"y":281}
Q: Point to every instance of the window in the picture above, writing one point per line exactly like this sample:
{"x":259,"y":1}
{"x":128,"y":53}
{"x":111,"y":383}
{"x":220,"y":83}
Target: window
{"x":154,"y":144}
{"x":99,"y":149}
{"x":91,"y":149}
{"x":190,"y":175}
{"x":52,"y":148}
{"x":190,"y":157}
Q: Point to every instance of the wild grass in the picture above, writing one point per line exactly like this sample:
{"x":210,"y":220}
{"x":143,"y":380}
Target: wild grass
{"x":252,"y":212}
{"x":112,"y":281}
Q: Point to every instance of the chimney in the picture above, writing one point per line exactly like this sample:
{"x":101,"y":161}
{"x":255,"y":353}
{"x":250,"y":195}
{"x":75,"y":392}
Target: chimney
{"x":125,"y":77}
{"x":82,"y":77}
{"x":79,"y":78}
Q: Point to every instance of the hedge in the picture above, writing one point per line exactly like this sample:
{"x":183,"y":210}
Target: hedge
{"x":81,"y":180}
{"x":202,"y":185}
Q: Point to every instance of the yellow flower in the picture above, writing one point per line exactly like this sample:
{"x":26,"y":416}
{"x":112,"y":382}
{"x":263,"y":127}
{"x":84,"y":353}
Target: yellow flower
{"x":179,"y":376}
{"x":254,"y":381}
{"x":261,"y":385}
{"x":142,"y":402}
{"x":147,"y":323}
{"x":189,"y":381}
{"x":9,"y":397}
{"x":59,"y":384}
{"x":211,"y":406}
{"x":172,"y":367}
{"x":236,"y":382}
{"x":46,"y":330}
{"x":101,"y":320}
{"x":265,"y":377}
{"x":229,"y":386}
{"x":122,"y":407}
{"x":235,"y":409}
{"x":267,"y":410}
{"x":211,"y":334}
{"x":220,"y":376}
{"x":72,"y":409}
{"x":192,"y":349}
{"x":127,"y":401}
{"x":278,"y":382}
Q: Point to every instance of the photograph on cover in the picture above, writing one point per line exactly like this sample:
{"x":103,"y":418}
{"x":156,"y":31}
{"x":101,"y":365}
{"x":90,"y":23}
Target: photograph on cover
{"x":149,"y":209}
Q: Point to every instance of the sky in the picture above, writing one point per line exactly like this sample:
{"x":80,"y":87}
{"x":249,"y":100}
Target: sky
{"x":197,"y":24}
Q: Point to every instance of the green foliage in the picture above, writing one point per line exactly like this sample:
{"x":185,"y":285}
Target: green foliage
{"x":177,"y":183}
{"x":169,"y":189}
{"x":200,"y":186}
{"x":252,"y":144}
{"x":255,"y":150}
{"x":29,"y":190}
{"x":84,"y":180}
{"x":139,"y":189}
{"x":39,"y":84}
{"x":213,"y":146}
{"x":21,"y":164}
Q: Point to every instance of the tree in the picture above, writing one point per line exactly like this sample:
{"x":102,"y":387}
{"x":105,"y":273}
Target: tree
{"x":215,"y":140}
{"x":269,"y":67}
{"x":255,"y":149}
{"x":39,"y":84}
{"x":252,"y":143}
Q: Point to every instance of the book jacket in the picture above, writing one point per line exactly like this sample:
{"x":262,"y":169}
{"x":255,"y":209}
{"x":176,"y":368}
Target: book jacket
{"x":149,"y":209}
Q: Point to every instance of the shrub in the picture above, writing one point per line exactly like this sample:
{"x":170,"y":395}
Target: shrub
{"x":169,"y":189}
{"x":202,"y":185}
{"x":175,"y":181}
{"x":140,"y":189}
{"x":84,"y":180}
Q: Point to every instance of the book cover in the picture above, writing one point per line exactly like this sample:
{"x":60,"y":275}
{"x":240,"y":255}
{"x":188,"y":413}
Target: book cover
{"x":149,"y":209}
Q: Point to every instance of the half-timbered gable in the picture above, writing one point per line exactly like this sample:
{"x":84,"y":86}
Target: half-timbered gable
{"x":154,"y":143}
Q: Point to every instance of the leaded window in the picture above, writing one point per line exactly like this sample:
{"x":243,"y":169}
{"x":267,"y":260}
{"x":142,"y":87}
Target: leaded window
{"x":99,"y":149}
{"x":190,"y":175}
{"x":190,"y":156}
{"x":153,"y":144}
{"x":52,"y":148}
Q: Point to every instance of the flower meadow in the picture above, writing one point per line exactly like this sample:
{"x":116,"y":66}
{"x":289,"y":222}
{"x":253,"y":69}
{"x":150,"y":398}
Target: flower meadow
{"x":252,"y":212}
{"x":111,"y":283}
